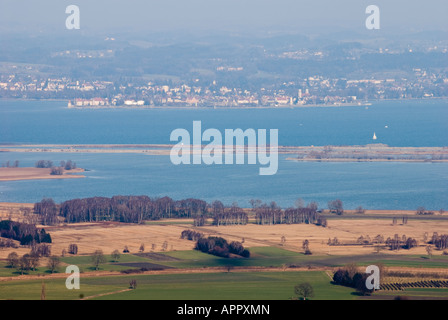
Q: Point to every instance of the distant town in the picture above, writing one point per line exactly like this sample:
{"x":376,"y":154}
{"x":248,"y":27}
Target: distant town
{"x":315,"y":90}
{"x":280,"y":71}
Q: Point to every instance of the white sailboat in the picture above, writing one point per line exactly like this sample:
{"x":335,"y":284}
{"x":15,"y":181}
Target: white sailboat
{"x":374,"y":136}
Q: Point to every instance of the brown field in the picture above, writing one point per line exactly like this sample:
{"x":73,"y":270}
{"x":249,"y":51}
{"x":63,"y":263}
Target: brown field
{"x":344,"y":230}
{"x":109,"y":236}
{"x":12,"y":174}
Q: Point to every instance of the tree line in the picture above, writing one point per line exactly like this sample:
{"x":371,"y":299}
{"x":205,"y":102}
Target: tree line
{"x":404,"y":242}
{"x":136,"y":209}
{"x":233,"y":215}
{"x":272,"y":214}
{"x":66,"y":165}
{"x":127,"y":209}
{"x":56,"y":170}
{"x":440,"y":241}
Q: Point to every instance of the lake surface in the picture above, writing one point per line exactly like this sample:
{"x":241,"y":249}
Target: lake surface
{"x":378,"y":185}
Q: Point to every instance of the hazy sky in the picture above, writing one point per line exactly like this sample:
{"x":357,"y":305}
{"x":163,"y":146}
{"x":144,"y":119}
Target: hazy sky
{"x":296,"y":16}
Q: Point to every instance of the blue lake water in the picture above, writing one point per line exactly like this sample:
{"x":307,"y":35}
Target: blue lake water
{"x":372,"y":185}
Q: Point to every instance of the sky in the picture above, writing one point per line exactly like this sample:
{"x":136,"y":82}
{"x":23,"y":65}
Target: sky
{"x":296,"y":16}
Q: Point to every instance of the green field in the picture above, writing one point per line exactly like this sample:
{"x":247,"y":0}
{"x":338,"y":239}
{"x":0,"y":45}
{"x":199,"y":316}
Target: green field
{"x":210,"y":286}
{"x":213,"y":285}
{"x":260,"y":257}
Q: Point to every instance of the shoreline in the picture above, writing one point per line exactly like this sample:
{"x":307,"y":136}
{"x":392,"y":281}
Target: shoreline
{"x":365,"y":103}
{"x":168,"y":107}
{"x":366,"y":153}
{"x":30,"y":173}
{"x":367,"y":160}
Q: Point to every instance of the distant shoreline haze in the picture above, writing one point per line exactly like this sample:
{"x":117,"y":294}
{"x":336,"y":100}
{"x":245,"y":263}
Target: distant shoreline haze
{"x":231,"y":15}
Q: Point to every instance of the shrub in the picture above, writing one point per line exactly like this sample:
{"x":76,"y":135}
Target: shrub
{"x":220,"y":247}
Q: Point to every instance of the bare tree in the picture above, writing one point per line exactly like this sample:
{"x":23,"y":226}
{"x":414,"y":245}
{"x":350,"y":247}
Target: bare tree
{"x":115,"y":255}
{"x":73,"y":248}
{"x":283,"y":240}
{"x":255,"y":203}
{"x":378,"y":248}
{"x":133,"y":284}
{"x":405,"y":220}
{"x":33,"y":261}
{"x":313,"y":206}
{"x":53,"y":263}
{"x":98,"y":258}
{"x":23,"y":264}
{"x":336,"y":206}
{"x":429,"y":251}
{"x":306,"y":247}
{"x":13,"y":259}
{"x":304,"y":290}
{"x":57,"y":171}
{"x":360,"y":210}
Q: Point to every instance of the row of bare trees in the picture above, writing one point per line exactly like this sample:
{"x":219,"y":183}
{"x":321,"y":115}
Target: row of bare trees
{"x":230,"y":218}
{"x":136,"y":209}
{"x":270,"y":215}
{"x":66,"y":165}
{"x":129,"y":209}
{"x":10,"y":164}
{"x":48,"y":211}
{"x":439,"y":241}
{"x":398,"y":242}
